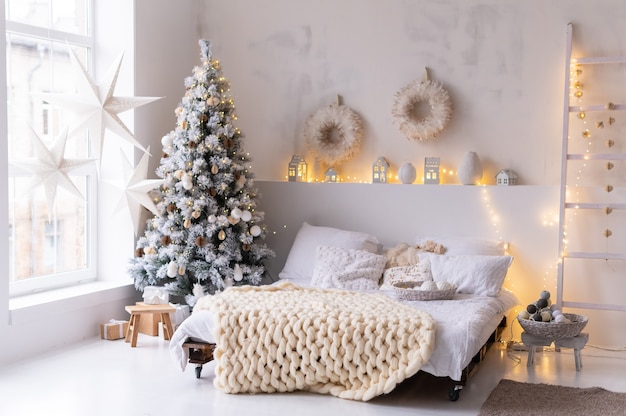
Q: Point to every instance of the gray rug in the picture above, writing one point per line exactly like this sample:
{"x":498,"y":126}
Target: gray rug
{"x":512,"y":398}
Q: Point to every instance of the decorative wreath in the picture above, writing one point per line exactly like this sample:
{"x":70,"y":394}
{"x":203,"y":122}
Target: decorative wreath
{"x":407,"y":98}
{"x":333,"y":134}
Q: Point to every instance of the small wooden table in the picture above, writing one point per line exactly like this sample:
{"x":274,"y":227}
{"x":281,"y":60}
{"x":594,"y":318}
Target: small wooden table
{"x":136,"y":311}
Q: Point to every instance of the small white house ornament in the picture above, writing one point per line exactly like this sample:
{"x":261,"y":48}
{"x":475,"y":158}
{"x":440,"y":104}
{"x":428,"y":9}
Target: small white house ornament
{"x":470,"y":170}
{"x":380,"y":169}
{"x":407,"y":173}
{"x":431,"y":170}
{"x":506,"y":177}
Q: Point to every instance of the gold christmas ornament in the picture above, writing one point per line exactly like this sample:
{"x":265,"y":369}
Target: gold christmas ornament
{"x":215,"y":169}
{"x":221,"y":235}
{"x":200,"y":241}
{"x":184,"y":124}
{"x":139,"y":252}
{"x":196,"y":214}
{"x":166,"y":240}
{"x":181,"y":269}
{"x":187,"y":223}
{"x":213,"y":101}
{"x":171,"y":208}
{"x":149,"y":250}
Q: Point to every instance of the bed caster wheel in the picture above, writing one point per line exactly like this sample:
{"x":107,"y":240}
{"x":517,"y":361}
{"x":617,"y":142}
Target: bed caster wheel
{"x":198,"y":371}
{"x":454,"y":393}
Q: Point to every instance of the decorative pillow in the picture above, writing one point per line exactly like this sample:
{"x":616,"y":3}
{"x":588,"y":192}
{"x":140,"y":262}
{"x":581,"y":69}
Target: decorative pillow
{"x":464,"y":246}
{"x":478,"y":275}
{"x":301,"y":259}
{"x":404,"y":254}
{"x":415,"y":273}
{"x":346,"y":268}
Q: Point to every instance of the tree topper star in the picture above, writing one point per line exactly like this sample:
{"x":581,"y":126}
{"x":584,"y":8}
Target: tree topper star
{"x":137,"y":188}
{"x":95,"y":106}
{"x":50,"y":168}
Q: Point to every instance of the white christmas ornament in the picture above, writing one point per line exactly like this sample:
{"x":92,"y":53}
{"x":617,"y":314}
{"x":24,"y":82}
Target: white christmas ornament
{"x":237,"y":273}
{"x":236,"y":213}
{"x":172,"y":269}
{"x":255,"y":231}
{"x":211,"y":218}
{"x":50,"y":168}
{"x":95,"y":106}
{"x":246,"y":216}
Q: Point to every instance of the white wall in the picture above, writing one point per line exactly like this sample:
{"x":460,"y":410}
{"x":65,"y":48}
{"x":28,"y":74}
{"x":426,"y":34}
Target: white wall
{"x":502,"y":62}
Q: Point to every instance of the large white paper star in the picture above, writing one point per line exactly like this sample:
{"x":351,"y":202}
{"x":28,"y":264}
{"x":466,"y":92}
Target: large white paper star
{"x":95,"y":106}
{"x":50,"y":168}
{"x":137,"y":188}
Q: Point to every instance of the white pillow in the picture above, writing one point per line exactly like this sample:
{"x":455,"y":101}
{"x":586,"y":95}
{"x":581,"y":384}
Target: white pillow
{"x":478,"y":275}
{"x":301,"y":259}
{"x":346,"y":268}
{"x":457,"y":246}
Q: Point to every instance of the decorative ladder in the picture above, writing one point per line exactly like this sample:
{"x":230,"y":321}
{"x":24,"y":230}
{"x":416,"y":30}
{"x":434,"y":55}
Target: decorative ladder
{"x":567,"y":158}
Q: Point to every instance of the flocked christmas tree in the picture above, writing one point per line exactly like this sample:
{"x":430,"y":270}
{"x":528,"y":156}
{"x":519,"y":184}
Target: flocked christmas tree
{"x":208,"y":230}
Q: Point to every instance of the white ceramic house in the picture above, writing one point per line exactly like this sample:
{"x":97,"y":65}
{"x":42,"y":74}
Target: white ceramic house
{"x":506,"y":177}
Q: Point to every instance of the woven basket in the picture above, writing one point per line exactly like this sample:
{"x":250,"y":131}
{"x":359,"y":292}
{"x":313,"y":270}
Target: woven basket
{"x":405,"y":291}
{"x":555,"y":330}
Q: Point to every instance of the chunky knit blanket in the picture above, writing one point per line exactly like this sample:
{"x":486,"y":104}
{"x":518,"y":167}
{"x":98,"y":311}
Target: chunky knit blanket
{"x":283,"y":338}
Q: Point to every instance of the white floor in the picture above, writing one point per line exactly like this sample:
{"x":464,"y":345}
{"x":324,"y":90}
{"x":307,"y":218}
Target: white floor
{"x":98,"y":377}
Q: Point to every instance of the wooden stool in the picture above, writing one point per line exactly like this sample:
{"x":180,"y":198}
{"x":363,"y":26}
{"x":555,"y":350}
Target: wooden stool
{"x":136,"y":311}
{"x":577,"y":343}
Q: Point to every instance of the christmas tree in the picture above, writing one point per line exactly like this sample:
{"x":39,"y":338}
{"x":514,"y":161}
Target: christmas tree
{"x":208,"y":232}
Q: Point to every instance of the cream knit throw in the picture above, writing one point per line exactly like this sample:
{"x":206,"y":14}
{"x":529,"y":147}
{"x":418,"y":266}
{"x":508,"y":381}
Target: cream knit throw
{"x":284,"y":338}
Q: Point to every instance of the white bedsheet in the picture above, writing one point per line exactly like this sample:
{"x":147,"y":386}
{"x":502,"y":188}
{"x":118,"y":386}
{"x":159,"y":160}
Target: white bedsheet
{"x":464,"y":324}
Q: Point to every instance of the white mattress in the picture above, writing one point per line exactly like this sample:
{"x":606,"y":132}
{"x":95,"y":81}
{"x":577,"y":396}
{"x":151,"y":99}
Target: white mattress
{"x":464,"y":324}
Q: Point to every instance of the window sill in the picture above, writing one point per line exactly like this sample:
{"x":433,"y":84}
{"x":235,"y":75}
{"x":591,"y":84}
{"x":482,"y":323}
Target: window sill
{"x":23,"y":309}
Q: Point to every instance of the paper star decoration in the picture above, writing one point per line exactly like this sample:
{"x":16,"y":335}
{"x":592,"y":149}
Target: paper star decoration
{"x":50,"y":168}
{"x":137,"y":188}
{"x":95,"y":106}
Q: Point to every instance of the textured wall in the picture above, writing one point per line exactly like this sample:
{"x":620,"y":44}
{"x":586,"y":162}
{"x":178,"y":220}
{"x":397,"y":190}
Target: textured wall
{"x":502,"y":62}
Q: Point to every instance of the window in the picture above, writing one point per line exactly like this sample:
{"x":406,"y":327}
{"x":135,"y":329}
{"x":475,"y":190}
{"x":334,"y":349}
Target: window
{"x":52,"y":227}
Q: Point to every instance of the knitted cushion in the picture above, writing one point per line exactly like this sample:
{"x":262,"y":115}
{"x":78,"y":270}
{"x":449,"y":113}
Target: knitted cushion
{"x":345,"y":268}
{"x":284,"y":338}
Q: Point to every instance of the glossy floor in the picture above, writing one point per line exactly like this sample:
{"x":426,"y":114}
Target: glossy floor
{"x":99,"y":377}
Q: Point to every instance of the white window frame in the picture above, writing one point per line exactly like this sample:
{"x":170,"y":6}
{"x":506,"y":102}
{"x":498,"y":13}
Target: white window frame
{"x":89,"y":273}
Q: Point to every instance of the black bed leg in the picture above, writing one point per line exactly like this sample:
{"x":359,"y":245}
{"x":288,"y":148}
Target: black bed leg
{"x":454,"y":392}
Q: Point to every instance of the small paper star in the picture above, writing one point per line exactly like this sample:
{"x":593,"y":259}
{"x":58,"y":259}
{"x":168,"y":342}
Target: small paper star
{"x":95,"y":106}
{"x":50,"y":168}
{"x":137,"y":189}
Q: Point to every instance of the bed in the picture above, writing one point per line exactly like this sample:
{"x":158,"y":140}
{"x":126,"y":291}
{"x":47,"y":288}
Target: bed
{"x":339,"y":260}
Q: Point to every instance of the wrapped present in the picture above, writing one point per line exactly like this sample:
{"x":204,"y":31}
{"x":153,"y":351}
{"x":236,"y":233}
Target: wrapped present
{"x":155,"y":295}
{"x":113,"y":329}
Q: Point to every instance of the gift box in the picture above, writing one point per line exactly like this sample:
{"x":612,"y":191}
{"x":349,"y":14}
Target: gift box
{"x":113,"y":329}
